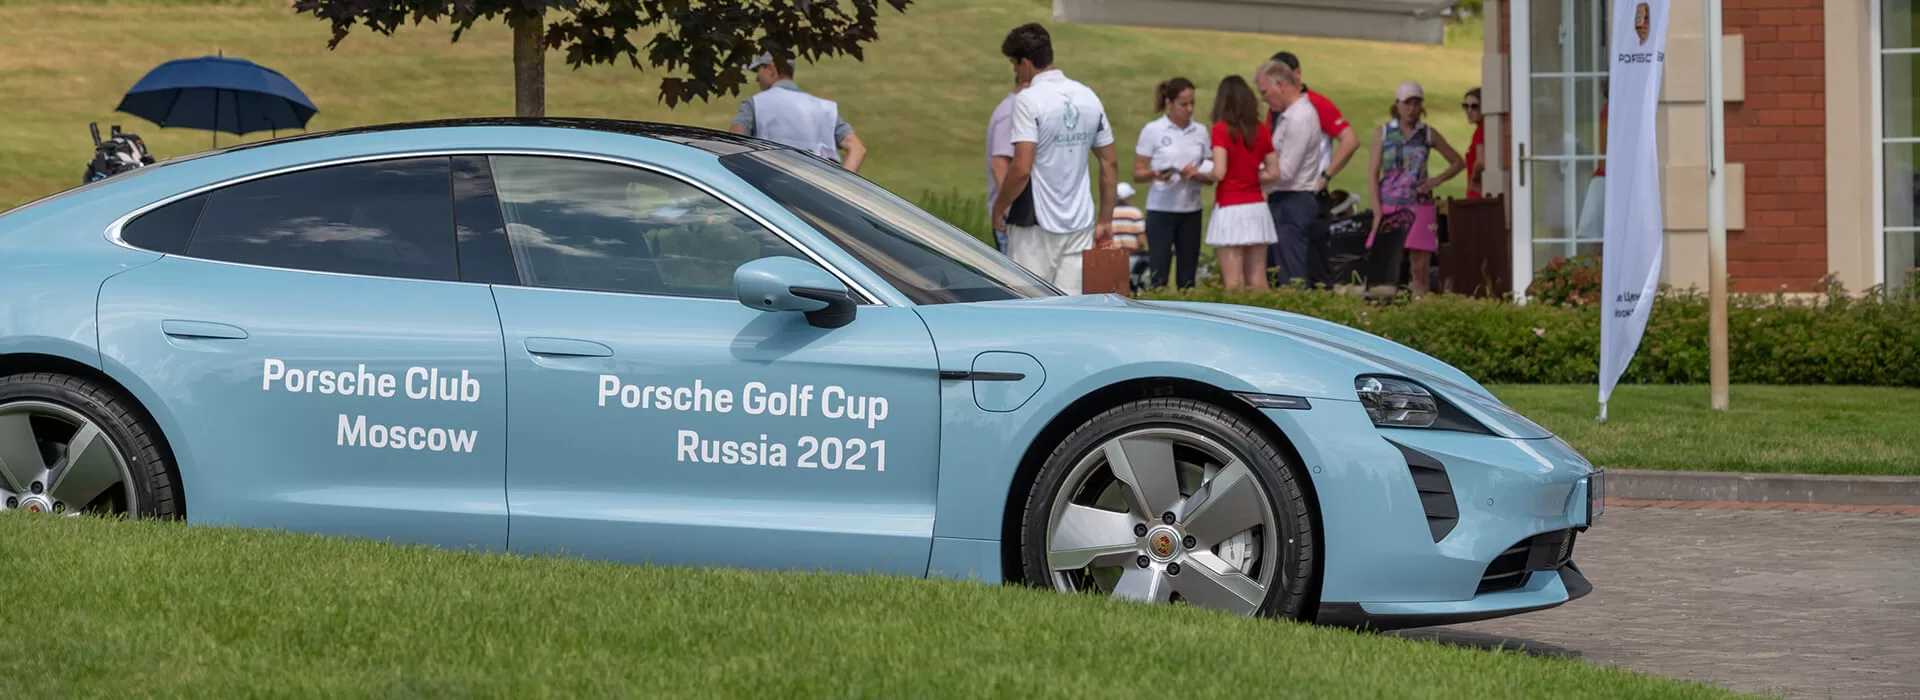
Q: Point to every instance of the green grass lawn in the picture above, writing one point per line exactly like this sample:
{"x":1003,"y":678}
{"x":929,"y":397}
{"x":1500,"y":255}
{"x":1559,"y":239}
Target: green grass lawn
{"x":145,"y":609}
{"x":1805,"y":429}
{"x":920,"y":99}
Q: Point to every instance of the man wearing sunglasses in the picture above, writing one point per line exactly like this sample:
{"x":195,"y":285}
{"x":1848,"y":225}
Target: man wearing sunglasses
{"x":1476,"y":161}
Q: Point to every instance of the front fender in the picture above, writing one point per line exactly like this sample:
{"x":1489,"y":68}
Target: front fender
{"x":1385,"y":351}
{"x":1085,"y":344}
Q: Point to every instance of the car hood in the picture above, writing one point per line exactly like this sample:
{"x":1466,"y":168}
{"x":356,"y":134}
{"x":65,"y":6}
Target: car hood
{"x":1362,"y":348}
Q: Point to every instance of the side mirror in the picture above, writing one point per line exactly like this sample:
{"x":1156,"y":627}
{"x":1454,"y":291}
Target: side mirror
{"x":792,"y":284}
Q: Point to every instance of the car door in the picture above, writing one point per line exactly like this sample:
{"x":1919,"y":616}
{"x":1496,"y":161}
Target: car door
{"x":319,"y":359}
{"x":652,"y":417}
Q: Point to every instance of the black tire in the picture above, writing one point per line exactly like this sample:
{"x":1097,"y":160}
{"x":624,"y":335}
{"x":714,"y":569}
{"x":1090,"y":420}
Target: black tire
{"x":156,"y":488}
{"x":1292,"y":596}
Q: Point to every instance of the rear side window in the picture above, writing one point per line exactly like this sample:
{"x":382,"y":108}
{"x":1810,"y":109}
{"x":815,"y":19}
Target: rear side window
{"x":389,"y":218}
{"x":167,"y":229}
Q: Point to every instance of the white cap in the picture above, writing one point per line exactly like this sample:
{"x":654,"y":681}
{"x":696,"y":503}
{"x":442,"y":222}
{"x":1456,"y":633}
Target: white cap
{"x":764,"y":59}
{"x":1409,"y":90}
{"x":1125,"y":190}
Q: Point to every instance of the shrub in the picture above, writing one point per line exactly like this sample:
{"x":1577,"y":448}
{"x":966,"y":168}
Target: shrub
{"x":1571,"y":281}
{"x":1771,"y":339}
{"x":1836,"y":338}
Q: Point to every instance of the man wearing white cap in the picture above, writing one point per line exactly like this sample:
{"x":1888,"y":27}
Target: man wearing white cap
{"x":781,"y":113}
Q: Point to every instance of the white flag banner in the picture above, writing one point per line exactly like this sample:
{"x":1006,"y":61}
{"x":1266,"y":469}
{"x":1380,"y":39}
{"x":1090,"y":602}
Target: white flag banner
{"x":1633,"y":242}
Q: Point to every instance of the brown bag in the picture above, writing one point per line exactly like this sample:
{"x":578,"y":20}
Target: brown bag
{"x":1105,"y":271}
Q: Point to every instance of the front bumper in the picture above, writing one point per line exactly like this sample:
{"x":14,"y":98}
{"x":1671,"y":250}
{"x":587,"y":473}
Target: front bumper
{"x":1550,"y":590}
{"x":1420,"y":527}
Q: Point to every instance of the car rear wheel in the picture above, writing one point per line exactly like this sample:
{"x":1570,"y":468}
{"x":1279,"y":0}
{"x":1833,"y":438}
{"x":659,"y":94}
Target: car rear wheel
{"x":72,"y":446}
{"x":1171,"y":500}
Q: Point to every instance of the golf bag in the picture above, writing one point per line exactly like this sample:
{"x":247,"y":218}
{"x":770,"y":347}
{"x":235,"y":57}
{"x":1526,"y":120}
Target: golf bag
{"x":1140,"y":272}
{"x":117,"y":154}
{"x":1334,"y":218}
{"x":1349,"y":258}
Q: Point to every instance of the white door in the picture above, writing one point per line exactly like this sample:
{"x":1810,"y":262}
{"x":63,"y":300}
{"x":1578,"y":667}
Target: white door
{"x":1558,"y":89}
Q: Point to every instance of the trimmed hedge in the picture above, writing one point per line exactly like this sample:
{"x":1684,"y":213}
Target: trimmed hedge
{"x":1771,"y":339}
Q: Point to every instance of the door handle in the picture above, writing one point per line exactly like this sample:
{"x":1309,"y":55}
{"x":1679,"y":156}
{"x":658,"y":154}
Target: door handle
{"x":565,"y":347}
{"x":1523,"y":160}
{"x":202,"y":330}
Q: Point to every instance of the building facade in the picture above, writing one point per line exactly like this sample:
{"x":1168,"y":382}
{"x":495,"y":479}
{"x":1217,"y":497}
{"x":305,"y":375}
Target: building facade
{"x":1822,"y":138}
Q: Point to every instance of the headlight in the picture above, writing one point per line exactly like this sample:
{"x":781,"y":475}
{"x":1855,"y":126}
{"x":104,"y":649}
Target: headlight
{"x":1396,"y":403}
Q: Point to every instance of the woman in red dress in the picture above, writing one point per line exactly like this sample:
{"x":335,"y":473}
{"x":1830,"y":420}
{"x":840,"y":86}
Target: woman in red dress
{"x":1243,"y":159}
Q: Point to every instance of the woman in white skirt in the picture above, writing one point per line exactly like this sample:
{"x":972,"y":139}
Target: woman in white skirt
{"x":1243,"y":159}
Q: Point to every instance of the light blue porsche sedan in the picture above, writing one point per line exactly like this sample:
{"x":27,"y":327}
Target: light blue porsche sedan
{"x":653,"y":343}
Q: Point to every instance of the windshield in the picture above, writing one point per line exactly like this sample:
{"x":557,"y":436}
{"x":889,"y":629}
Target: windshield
{"x":928,"y":260}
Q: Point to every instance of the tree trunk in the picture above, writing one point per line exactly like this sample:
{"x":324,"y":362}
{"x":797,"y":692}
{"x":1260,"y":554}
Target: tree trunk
{"x":529,"y":67}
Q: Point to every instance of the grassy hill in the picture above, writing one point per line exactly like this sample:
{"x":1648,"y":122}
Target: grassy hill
{"x":145,"y":609}
{"x":919,"y":100}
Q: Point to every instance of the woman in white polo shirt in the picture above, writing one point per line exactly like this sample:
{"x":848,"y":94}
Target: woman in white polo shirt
{"x":1170,"y":152}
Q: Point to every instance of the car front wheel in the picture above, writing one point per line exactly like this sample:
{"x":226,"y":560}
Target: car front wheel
{"x":1171,"y":500}
{"x":70,"y":446}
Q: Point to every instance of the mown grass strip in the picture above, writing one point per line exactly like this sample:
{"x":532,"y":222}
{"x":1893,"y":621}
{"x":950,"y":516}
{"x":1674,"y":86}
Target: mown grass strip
{"x":113,"y":608}
{"x":1777,"y":429}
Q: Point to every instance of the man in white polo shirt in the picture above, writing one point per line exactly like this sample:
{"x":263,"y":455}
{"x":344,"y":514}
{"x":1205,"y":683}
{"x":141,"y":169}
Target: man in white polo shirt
{"x":781,"y":113}
{"x":1056,"y":123}
{"x":1000,"y":156}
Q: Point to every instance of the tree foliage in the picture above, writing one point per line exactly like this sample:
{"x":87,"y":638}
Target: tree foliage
{"x":701,"y":46}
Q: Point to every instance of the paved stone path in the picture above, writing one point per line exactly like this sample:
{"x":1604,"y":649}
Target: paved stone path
{"x":1746,"y":505}
{"x":1805,"y":604}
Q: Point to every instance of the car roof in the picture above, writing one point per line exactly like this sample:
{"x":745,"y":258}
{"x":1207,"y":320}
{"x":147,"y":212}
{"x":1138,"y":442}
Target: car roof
{"x":709,"y":140}
{"x":719,"y":143}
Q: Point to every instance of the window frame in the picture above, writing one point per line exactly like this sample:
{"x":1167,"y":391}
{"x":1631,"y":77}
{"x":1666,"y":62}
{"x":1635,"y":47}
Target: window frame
{"x":861,"y":294}
{"x":1878,"y":56}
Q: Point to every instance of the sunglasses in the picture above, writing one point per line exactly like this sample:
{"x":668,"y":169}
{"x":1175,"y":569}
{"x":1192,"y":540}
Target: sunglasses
{"x":1472,"y":106}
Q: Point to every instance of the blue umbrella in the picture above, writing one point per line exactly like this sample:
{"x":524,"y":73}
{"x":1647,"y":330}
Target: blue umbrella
{"x":216,"y":93}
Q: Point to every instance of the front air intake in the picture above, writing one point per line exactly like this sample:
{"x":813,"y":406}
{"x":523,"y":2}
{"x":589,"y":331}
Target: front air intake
{"x":1547,"y":551}
{"x":1436,"y":491}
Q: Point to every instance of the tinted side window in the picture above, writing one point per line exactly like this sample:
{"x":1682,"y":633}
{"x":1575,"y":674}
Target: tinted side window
{"x":579,"y":224}
{"x":484,"y":255}
{"x":386,"y":218}
{"x":927,"y":259}
{"x":167,"y":229}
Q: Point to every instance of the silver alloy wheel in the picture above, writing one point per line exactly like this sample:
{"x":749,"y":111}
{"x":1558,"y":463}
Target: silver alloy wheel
{"x":1165,"y":514}
{"x":55,"y":460}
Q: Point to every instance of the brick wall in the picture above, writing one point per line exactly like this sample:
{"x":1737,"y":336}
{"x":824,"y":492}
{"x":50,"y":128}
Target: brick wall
{"x":1780,"y":134}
